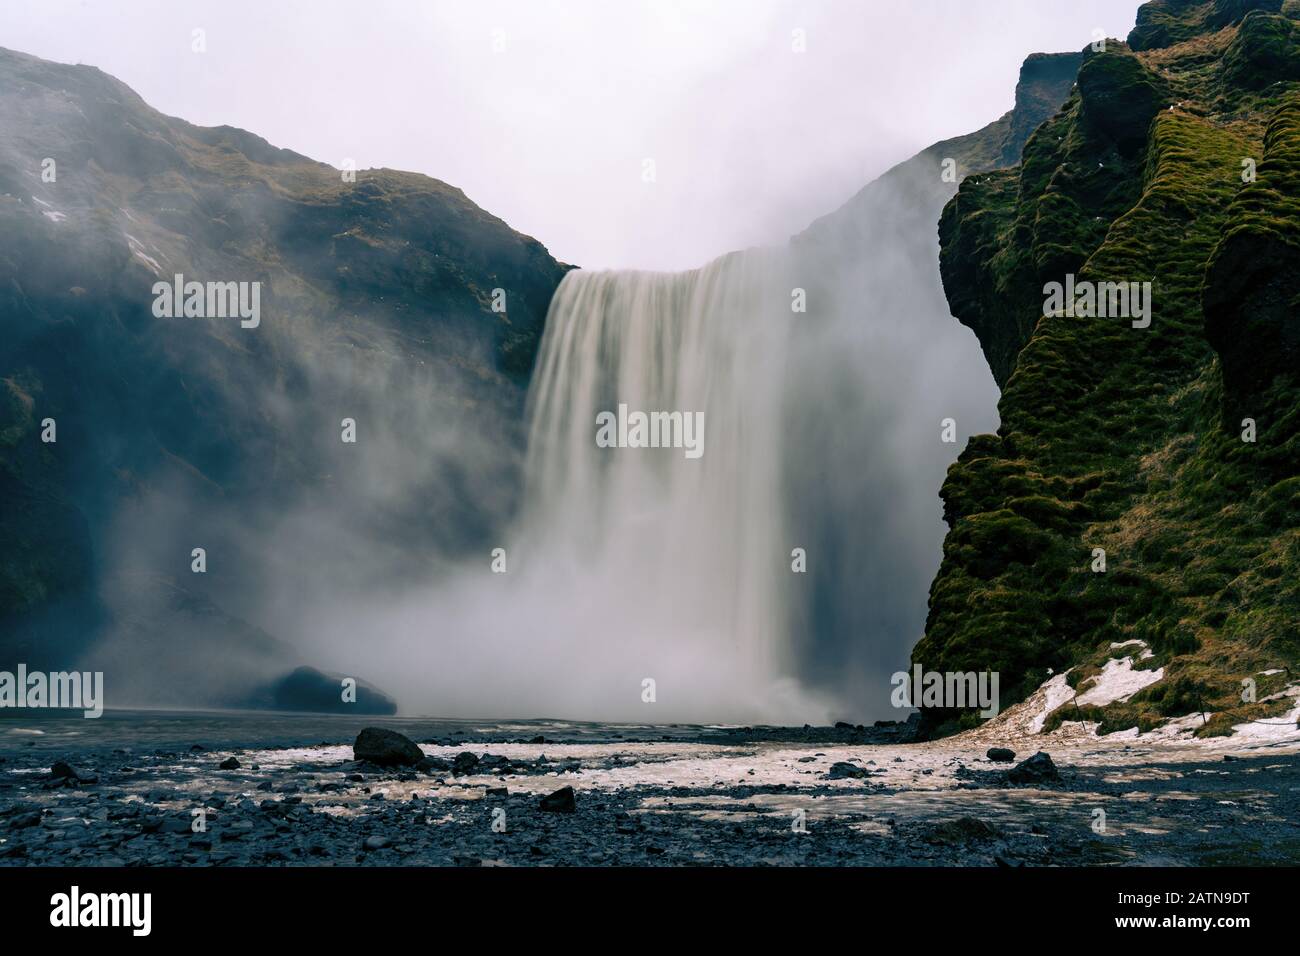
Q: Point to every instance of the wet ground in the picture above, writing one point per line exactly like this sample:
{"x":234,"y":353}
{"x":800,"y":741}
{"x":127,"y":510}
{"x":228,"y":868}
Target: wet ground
{"x":150,"y":789}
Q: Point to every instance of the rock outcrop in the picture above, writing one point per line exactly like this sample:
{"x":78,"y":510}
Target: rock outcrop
{"x":1123,"y":496}
{"x":127,"y":439}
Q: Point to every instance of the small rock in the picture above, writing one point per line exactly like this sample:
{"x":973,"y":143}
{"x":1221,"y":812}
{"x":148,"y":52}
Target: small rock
{"x":841,"y":770}
{"x":230,"y":763}
{"x":958,"y":832}
{"x":375,"y":843}
{"x":465,"y":763}
{"x":65,"y":772}
{"x":561,"y":801}
{"x":1001,"y":754}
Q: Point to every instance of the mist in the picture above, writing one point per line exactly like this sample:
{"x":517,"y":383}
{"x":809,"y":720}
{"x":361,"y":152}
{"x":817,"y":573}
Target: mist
{"x":545,"y":111}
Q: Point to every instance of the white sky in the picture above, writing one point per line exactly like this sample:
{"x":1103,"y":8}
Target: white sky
{"x":750,"y":140}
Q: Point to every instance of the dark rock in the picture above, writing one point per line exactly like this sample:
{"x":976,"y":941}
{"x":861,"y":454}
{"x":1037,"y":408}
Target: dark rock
{"x":842,"y":770}
{"x":387,"y":748}
{"x":1037,"y":769}
{"x":465,"y":763}
{"x":561,"y":801}
{"x":1001,"y":754}
{"x":230,"y":763}
{"x":64,"y":771}
{"x":24,"y":820}
{"x":375,"y":843}
{"x":958,"y":832}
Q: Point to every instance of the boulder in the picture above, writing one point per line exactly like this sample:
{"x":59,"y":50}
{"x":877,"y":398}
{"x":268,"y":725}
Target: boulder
{"x":1037,"y":769}
{"x":465,"y":763}
{"x":1001,"y":754}
{"x":68,"y":773}
{"x":843,"y":770}
{"x":387,"y":748}
{"x":561,"y":801}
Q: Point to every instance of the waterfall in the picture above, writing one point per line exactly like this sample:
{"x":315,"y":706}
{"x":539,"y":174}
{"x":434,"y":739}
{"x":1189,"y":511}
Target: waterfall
{"x":821,"y":432}
{"x":688,"y":559}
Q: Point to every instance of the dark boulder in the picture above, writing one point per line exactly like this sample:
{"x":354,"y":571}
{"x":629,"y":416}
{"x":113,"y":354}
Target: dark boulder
{"x":465,"y":763}
{"x":387,"y":748}
{"x":230,"y":763}
{"x":561,"y":801}
{"x":843,"y":770}
{"x":69,"y":774}
{"x":1037,"y":769}
{"x":1001,"y":754}
{"x":958,"y":832}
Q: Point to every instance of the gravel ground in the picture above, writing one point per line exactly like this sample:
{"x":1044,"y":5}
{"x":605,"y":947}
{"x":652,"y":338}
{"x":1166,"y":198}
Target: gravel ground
{"x":150,"y":790}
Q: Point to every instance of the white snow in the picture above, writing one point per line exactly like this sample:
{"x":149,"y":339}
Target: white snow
{"x":54,"y":216}
{"x":1272,"y":728}
{"x":1118,"y":681}
{"x":1146,"y":651}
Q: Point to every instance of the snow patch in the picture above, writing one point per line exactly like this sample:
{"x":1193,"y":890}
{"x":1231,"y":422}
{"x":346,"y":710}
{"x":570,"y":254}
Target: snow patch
{"x":1146,"y":651}
{"x":1118,"y":681}
{"x":1054,"y":693}
{"x":1272,"y":728}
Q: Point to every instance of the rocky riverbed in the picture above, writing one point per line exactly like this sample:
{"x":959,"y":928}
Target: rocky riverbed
{"x":223,"y":789}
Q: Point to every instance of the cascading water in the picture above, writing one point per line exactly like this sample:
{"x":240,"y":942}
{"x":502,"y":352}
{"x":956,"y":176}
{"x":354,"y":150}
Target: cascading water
{"x":821,"y":432}
{"x":686,"y":558}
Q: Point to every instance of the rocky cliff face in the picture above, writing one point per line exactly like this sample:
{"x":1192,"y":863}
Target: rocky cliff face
{"x":1174,"y":162}
{"x":391,"y":300}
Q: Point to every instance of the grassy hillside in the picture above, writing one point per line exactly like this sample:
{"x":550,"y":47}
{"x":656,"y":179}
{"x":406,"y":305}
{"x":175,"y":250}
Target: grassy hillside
{"x":1128,"y":439}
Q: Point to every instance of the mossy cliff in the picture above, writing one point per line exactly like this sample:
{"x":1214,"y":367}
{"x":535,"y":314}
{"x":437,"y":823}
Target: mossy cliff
{"x":1127,"y":439}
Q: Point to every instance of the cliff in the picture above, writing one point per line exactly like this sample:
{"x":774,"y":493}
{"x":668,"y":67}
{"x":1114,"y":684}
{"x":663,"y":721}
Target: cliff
{"x":377,"y":303}
{"x":1173,"y":162}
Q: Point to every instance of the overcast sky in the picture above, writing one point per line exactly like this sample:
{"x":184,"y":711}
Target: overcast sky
{"x":545,"y":112}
